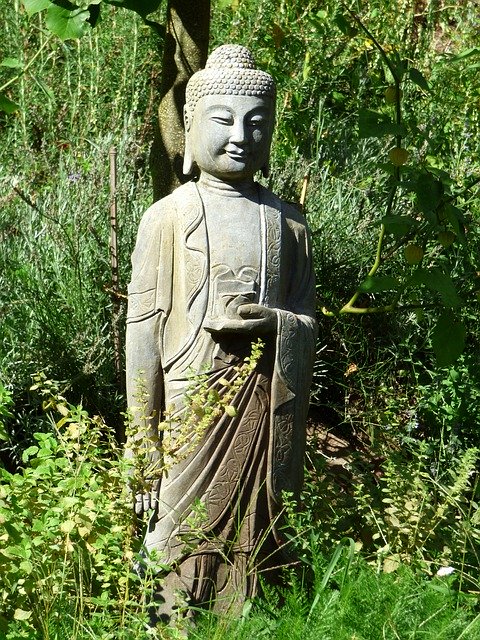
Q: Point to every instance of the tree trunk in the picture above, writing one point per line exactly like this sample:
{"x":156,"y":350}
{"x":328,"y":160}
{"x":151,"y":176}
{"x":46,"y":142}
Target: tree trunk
{"x":186,"y":48}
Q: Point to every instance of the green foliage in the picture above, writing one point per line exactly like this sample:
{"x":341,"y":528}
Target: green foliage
{"x":346,"y":76}
{"x":335,"y":87}
{"x":6,"y":402}
{"x":180,"y":432}
{"x":69,"y":541}
{"x":71,"y":20}
{"x":68,"y":529}
{"x":403,"y":510}
{"x":54,"y":265}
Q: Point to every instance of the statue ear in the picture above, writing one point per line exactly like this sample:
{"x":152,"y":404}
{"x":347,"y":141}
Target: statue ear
{"x":188,"y":161}
{"x":266,"y":170}
{"x":187,"y":156}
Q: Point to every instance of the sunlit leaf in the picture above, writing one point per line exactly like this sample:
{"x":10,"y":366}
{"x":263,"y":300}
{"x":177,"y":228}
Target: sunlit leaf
{"x":26,"y":566}
{"x":67,"y":24}
{"x":391,"y":564}
{"x":12,"y":63}
{"x":67,"y":526}
{"x":34,"y":6}
{"x":29,"y":452}
{"x":468,"y":53}
{"x":21,"y":614}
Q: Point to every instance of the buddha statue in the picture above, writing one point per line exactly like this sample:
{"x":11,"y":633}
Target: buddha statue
{"x":219,"y":263}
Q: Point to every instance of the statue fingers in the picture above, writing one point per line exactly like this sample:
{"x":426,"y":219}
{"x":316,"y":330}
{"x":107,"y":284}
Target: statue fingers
{"x":138,"y":505}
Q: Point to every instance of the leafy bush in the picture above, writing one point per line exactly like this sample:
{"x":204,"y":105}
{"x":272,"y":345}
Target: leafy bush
{"x":68,"y":528}
{"x":410,"y":508}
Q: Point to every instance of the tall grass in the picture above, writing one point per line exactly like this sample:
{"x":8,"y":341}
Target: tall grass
{"x":77,"y":101}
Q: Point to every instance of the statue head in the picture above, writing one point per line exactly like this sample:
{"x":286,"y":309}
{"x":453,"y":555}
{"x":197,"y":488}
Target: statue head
{"x":229,"y":116}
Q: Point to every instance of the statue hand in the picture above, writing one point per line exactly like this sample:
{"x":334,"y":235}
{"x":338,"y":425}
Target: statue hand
{"x":250,"y":318}
{"x":146,"y":501}
{"x":266,"y":318}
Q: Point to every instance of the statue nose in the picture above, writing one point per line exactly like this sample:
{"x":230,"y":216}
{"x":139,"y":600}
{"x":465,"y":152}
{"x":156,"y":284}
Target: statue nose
{"x":237,"y":133}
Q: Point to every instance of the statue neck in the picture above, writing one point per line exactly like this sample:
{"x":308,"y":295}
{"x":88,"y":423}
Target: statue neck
{"x":238,"y":189}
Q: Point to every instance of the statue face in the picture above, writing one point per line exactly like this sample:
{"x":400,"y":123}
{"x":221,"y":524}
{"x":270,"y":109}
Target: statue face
{"x":230,"y":135}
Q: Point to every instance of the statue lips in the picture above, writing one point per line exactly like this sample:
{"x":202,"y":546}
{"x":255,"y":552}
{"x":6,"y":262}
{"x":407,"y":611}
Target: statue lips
{"x":239,"y":155}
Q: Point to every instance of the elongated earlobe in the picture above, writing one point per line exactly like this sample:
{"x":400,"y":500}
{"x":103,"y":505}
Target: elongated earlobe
{"x":188,"y":163}
{"x":266,"y":170}
{"x":187,"y":156}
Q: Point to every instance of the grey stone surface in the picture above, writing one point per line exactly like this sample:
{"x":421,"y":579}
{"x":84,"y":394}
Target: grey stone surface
{"x":218,"y":263}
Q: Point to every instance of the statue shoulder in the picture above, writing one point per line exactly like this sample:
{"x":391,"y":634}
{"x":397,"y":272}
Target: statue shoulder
{"x":160,"y":213}
{"x":291,"y":212}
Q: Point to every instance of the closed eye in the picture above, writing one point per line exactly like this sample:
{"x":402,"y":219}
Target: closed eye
{"x":222,"y":120}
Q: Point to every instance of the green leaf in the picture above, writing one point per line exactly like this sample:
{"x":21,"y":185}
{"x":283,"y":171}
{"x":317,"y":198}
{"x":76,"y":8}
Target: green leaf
{"x":28,"y":453}
{"x":67,"y":24}
{"x":67,"y":526}
{"x":26,"y":566}
{"x":43,"y":87}
{"x":455,"y":217}
{"x":440,"y":282}
{"x":143,"y":8}
{"x":11,"y":63}
{"x":418,"y":78}
{"x":448,"y":339}
{"x":429,"y":191}
{"x":398,"y":225}
{"x":468,"y":53}
{"x":34,"y":6}
{"x":344,"y":25}
{"x":7,"y":105}
{"x":372,"y":124}
{"x":376,"y":284}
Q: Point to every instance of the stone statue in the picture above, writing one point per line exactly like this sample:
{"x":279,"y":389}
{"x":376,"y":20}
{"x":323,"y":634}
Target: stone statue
{"x":219,"y":263}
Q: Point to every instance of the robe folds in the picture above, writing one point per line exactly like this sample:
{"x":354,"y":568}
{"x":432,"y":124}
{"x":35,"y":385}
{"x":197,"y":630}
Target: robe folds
{"x":244,"y":462}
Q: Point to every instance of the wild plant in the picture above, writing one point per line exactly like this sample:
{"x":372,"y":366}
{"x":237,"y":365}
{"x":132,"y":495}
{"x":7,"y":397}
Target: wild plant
{"x":425,"y":517}
{"x":68,"y":541}
{"x":179,"y":432}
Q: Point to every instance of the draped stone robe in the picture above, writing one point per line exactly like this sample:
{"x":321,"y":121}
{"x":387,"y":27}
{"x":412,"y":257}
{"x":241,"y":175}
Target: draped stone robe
{"x":243,"y":463}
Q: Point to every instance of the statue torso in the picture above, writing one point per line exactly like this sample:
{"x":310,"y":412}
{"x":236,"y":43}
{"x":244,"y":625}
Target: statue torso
{"x":235,"y":247}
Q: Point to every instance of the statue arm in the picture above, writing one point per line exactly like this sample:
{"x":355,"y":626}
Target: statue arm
{"x":144,"y":374}
{"x":297,"y":325}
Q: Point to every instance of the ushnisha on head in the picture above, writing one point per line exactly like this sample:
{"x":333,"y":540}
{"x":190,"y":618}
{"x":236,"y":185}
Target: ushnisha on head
{"x":229,"y":116}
